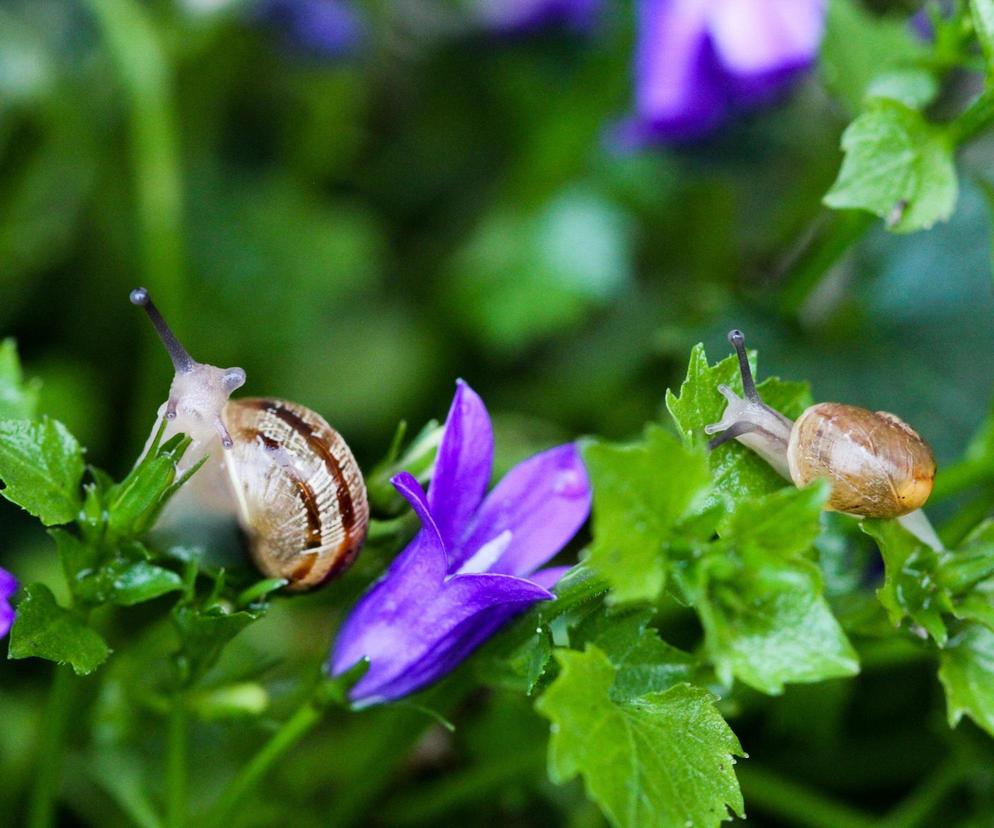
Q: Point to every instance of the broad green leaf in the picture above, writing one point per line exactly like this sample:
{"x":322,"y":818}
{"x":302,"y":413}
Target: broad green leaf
{"x":139,"y":582}
{"x":43,"y":629}
{"x":18,"y":399}
{"x":967,"y":673}
{"x":661,"y":759}
{"x":911,"y":588}
{"x":204,"y":634}
{"x":41,"y":465}
{"x":911,"y":85}
{"x":770,"y":625}
{"x":983,"y":23}
{"x":641,"y":492}
{"x":786,"y":522}
{"x":643,"y":662}
{"x":735,"y":469}
{"x":897,"y":166}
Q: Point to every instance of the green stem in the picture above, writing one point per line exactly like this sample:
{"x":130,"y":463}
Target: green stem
{"x":176,"y":789}
{"x":916,"y":809}
{"x":291,"y":732}
{"x":794,"y":803}
{"x":975,"y":119}
{"x":45,"y":791}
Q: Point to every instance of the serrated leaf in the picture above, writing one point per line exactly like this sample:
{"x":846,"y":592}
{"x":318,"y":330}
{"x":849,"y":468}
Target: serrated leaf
{"x":662,"y":759}
{"x":983,"y":24}
{"x":42,"y":466}
{"x":967,"y":674}
{"x":770,"y":625}
{"x":204,"y":634}
{"x":43,"y":629}
{"x":911,"y":588}
{"x":897,"y":166}
{"x":786,"y":522}
{"x":18,"y":399}
{"x":641,"y":492}
{"x":735,"y":470}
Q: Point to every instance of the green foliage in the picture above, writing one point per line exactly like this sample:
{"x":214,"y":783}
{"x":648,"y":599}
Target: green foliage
{"x":661,"y":758}
{"x":897,"y":166}
{"x":43,"y":629}
{"x":18,"y":399}
{"x":641,"y":493}
{"x":983,"y":22}
{"x":967,"y":673}
{"x":41,"y":465}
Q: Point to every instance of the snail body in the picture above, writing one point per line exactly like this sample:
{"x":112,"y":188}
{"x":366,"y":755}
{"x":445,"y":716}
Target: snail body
{"x":878,"y":466}
{"x":286,"y":475}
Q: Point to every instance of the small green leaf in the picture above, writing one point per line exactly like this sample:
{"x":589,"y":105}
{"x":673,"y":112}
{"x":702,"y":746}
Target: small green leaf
{"x":983,"y":23}
{"x":786,"y":521}
{"x":897,"y":166}
{"x":139,"y":582}
{"x":18,"y":399}
{"x":641,"y":492}
{"x":42,"y":466}
{"x":735,"y":469}
{"x":204,"y":634}
{"x":770,"y":625}
{"x":911,"y":587}
{"x":662,"y":759}
{"x":43,"y":629}
{"x":967,"y":673}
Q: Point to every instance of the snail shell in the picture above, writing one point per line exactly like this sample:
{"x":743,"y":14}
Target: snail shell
{"x":877,"y":464}
{"x":301,"y":497}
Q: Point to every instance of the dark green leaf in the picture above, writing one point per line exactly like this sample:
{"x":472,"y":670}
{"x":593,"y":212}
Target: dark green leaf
{"x":42,"y":466}
{"x":897,"y":166}
{"x":139,"y":582}
{"x":662,"y":759}
{"x":967,"y":673}
{"x":43,"y":629}
{"x":204,"y":634}
{"x":641,"y":492}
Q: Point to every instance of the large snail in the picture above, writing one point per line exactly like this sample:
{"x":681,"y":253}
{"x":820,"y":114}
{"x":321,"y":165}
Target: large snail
{"x":878,"y":466}
{"x":279,"y":468}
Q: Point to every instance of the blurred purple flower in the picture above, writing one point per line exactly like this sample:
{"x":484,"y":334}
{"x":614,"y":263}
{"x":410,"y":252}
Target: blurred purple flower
{"x":526,"y":16}
{"x":8,"y":586}
{"x":322,"y":28}
{"x":697,"y":61}
{"x":472,"y":566}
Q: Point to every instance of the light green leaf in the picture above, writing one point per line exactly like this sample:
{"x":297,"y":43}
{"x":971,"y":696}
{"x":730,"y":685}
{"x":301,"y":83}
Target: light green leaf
{"x":897,"y":166}
{"x":735,"y":469}
{"x":786,"y":522}
{"x":967,"y":673}
{"x":641,"y":492}
{"x":42,"y":466}
{"x":662,"y":759}
{"x":18,"y":399}
{"x":769,"y":626}
{"x":142,"y":581}
{"x":43,"y":629}
{"x":983,"y":23}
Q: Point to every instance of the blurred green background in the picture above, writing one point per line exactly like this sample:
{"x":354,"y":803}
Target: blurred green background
{"x":357,"y":232}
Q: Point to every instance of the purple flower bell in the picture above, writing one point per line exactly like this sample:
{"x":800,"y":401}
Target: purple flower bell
{"x":526,"y":16}
{"x":8,"y":586}
{"x":472,"y":566}
{"x":697,"y":61}
{"x":321,"y":28}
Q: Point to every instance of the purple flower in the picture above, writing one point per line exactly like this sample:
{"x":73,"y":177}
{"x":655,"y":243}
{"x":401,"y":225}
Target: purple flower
{"x":8,"y":586}
{"x":697,"y":61}
{"x":322,"y":28}
{"x":526,"y":16}
{"x":472,"y":565}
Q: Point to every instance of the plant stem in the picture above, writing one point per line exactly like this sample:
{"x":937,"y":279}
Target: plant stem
{"x":291,"y":732}
{"x":796,"y":804}
{"x":44,"y":794}
{"x":176,"y":791}
{"x":976,"y":118}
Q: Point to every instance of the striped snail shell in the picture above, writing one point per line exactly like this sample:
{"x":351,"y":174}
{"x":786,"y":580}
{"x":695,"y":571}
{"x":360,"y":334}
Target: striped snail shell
{"x":285,"y":474}
{"x":877,"y":464}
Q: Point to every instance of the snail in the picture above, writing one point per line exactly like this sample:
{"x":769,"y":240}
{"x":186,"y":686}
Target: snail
{"x":878,"y":466}
{"x":286,"y":475}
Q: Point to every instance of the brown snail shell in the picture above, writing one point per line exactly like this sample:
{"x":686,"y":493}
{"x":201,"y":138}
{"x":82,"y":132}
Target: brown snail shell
{"x":301,"y":496}
{"x":877,"y":464}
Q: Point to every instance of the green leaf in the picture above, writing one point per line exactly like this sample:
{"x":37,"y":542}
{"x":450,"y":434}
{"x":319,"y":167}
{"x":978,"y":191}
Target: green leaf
{"x":641,"y":492}
{"x":662,"y":759}
{"x":770,"y":625}
{"x":204,"y":634}
{"x":735,"y":469}
{"x":983,"y":23}
{"x":897,"y":166}
{"x":42,"y":466}
{"x":967,"y":673}
{"x":18,"y":399}
{"x":139,"y":582}
{"x":43,"y":629}
{"x":911,"y":588}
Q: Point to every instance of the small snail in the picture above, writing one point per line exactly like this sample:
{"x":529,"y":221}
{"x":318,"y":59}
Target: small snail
{"x":279,"y":468}
{"x":877,"y":464}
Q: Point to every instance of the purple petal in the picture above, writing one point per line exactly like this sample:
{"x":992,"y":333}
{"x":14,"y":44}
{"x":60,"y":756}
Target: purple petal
{"x":322,"y":28}
{"x":526,"y":16}
{"x":8,"y":586}
{"x":424,"y":642}
{"x":540,"y":504}
{"x":463,"y":465}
